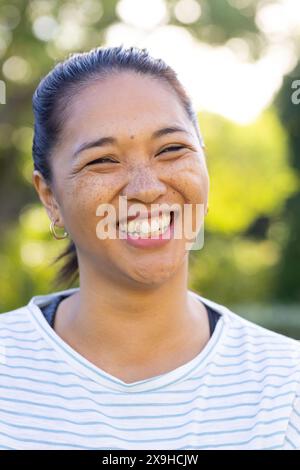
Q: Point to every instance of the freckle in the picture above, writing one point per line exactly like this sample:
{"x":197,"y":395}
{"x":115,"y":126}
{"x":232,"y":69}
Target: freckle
{"x":132,"y":136}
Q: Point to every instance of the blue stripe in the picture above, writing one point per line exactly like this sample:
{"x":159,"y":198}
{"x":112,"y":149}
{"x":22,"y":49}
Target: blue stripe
{"x":165,"y":404}
{"x":239,"y":443}
{"x":47,"y":371}
{"x":256,"y":333}
{"x":258,"y":330}
{"x":56,"y":372}
{"x":290,"y":442}
{"x":239,"y":372}
{"x":231,"y":444}
{"x":22,"y":322}
{"x":296,"y":412}
{"x":165,"y":428}
{"x":3,"y":327}
{"x":111,"y":379}
{"x":199,"y":389}
{"x":243,"y":383}
{"x":36,"y":359}
{"x":32,"y":441}
{"x":294,"y":428}
{"x":24,"y":340}
{"x":278,"y":446}
{"x":3,"y":447}
{"x":229,"y":395}
{"x":268,"y":358}
{"x":47,"y":382}
{"x":37,"y":350}
{"x":173,"y":392}
{"x":162,"y":439}
{"x":244,"y":327}
{"x":254,"y":353}
{"x":64,"y":362}
{"x":127,"y":417}
{"x":198,"y":378}
{"x":273,"y":343}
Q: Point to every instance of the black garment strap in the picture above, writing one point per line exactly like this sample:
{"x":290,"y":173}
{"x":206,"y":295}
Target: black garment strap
{"x":213,"y":317}
{"x":50,"y":309}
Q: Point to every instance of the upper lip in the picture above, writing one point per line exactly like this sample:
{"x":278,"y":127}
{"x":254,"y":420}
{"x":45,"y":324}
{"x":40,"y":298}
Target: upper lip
{"x":152,"y":214}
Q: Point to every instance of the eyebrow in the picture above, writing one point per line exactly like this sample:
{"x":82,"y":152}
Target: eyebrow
{"x":112,"y":140}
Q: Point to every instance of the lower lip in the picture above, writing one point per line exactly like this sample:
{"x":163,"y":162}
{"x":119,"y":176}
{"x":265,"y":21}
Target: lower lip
{"x":154,"y":241}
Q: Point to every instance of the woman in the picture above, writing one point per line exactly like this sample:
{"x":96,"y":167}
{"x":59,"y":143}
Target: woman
{"x":132,"y":359}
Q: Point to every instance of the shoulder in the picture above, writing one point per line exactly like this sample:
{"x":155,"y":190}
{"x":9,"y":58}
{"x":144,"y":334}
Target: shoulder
{"x":249,"y":333}
{"x":16,"y":329}
{"x":267,"y":357}
{"x":239,"y":327}
{"x":255,"y":354}
{"x":14,"y":317}
{"x":247,"y":337}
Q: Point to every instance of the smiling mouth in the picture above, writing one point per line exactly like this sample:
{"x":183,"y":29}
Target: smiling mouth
{"x":146,"y":228}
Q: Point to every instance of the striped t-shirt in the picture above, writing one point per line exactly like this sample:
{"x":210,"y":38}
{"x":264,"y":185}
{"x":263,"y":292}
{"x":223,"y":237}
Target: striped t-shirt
{"x":242,"y":391}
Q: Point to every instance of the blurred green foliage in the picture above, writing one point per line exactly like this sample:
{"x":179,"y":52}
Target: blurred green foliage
{"x":288,"y":281}
{"x":250,"y":174}
{"x":251,"y":249}
{"x":250,"y":179}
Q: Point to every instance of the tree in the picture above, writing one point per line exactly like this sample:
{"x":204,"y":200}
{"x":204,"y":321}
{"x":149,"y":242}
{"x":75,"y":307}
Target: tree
{"x":288,"y":285}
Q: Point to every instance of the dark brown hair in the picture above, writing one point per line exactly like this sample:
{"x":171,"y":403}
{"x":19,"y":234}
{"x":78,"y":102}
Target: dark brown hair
{"x":62,"y":84}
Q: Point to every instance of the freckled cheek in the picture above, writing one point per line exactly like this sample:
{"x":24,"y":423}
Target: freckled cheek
{"x":81,"y":202}
{"x":192,"y":184}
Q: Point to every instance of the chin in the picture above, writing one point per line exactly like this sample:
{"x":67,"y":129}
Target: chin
{"x":154,"y":275}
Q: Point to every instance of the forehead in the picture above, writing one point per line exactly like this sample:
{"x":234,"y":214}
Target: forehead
{"x":121,"y":105}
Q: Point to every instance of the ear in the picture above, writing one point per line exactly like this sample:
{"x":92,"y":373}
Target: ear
{"x":47,"y":198}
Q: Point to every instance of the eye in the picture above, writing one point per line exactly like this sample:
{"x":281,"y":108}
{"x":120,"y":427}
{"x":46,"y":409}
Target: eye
{"x":173,"y":148}
{"x":102,"y":160}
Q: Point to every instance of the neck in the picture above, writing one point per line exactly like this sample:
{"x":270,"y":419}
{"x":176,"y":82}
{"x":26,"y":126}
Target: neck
{"x":134,"y":322}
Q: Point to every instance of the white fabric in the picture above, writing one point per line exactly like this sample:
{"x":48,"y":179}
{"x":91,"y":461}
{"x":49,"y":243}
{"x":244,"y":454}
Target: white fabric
{"x":242,"y":391}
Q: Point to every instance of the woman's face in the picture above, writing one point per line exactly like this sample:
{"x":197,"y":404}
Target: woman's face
{"x":129,"y":108}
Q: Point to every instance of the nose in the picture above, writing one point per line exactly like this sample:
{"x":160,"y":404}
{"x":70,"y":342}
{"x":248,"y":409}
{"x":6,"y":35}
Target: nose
{"x":144,"y":185}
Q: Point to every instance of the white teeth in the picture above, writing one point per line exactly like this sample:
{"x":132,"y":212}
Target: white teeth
{"x":131,"y":226}
{"x":166,"y":219}
{"x":157,"y":226}
{"x":144,"y":227}
{"x":154,"y":225}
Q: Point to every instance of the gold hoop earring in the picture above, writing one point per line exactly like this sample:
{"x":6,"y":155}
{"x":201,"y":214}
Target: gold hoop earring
{"x":57,"y":237}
